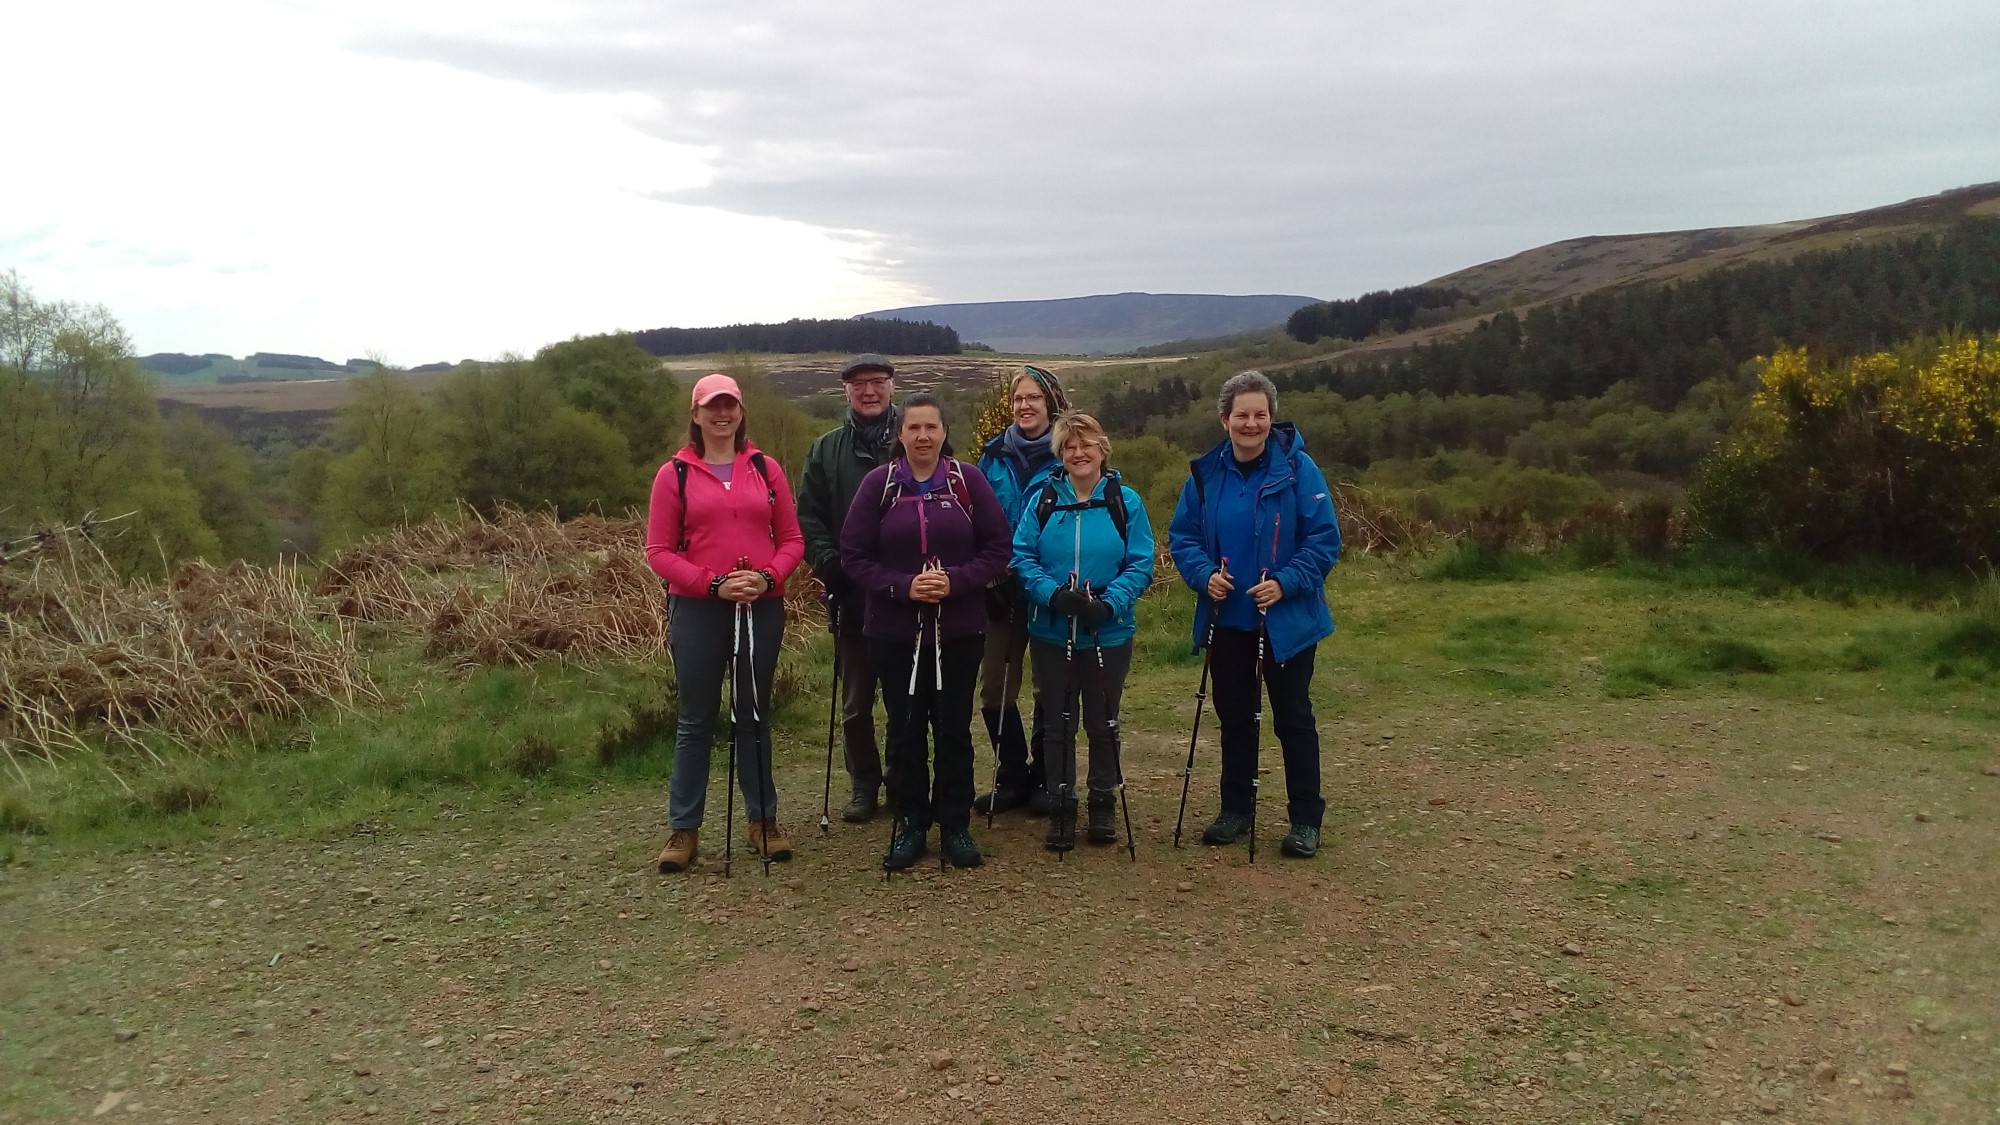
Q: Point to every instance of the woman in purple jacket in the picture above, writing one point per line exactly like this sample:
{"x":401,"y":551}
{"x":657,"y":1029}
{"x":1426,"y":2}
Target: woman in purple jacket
{"x":922,"y":540}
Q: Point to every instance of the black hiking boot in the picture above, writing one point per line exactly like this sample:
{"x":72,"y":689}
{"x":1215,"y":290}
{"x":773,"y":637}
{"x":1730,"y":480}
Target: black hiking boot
{"x":907,"y":845}
{"x":1062,"y":825}
{"x":1302,"y":842}
{"x":1103,"y":819}
{"x":861,"y":807}
{"x":957,"y":847}
{"x":1227,"y":829}
{"x":999,"y":801}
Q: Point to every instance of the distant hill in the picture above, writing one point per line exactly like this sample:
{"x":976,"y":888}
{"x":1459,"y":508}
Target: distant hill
{"x":1105,"y":324}
{"x":1577,"y":266}
{"x":181,"y":369}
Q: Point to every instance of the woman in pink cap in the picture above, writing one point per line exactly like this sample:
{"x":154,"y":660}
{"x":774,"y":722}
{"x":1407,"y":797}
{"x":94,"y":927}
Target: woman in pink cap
{"x":723,"y":533}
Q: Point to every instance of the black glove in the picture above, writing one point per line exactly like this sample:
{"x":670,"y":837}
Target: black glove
{"x":1069,"y":602}
{"x":837,"y":583}
{"x":1000,"y":602}
{"x":1096,"y":611}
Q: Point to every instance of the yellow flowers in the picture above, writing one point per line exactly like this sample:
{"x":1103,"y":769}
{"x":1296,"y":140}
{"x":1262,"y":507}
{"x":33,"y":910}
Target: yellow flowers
{"x":1951,"y":398}
{"x":1893,"y":455}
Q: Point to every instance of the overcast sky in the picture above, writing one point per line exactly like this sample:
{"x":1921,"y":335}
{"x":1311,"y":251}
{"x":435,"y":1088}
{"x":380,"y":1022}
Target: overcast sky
{"x":429,"y":180}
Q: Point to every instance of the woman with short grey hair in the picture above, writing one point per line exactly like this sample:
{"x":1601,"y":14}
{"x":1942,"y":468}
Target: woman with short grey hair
{"x":1252,"y":380}
{"x":1255,"y":535}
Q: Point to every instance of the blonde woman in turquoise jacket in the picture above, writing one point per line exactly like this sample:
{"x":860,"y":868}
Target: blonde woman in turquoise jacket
{"x":1083,"y":554}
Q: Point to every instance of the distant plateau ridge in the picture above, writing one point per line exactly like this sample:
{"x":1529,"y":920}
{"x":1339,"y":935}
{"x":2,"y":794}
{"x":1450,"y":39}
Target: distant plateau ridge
{"x":1105,"y":324}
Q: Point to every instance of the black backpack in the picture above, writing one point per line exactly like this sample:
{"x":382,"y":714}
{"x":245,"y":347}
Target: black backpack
{"x":1113,"y":501}
{"x":681,"y":479}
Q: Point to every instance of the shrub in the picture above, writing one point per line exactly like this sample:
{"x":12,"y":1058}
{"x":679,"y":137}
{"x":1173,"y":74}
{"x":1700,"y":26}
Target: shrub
{"x":1891,"y":456}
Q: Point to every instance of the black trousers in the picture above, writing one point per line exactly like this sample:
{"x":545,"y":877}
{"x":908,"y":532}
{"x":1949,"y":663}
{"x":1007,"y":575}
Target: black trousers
{"x":1083,"y":689}
{"x":1233,"y":668}
{"x":930,"y":716}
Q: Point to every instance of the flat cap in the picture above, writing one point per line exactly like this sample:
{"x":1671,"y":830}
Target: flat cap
{"x":867,"y":361}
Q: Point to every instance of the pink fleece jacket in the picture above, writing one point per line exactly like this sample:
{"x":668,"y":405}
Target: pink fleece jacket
{"x":722,"y":524}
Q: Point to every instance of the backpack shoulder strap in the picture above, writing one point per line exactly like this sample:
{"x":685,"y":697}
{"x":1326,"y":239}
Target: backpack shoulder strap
{"x":763,"y":468}
{"x":960,"y":489}
{"x":891,"y":492}
{"x":1114,"y":502}
{"x":681,"y":479}
{"x":1045,"y":502}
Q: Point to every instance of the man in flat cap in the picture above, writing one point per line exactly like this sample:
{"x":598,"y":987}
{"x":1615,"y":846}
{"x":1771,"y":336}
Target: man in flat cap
{"x":834,"y":468}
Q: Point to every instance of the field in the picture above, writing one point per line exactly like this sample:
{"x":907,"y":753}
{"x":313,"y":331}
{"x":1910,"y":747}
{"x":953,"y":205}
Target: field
{"x":1602,"y":846}
{"x":795,"y":376}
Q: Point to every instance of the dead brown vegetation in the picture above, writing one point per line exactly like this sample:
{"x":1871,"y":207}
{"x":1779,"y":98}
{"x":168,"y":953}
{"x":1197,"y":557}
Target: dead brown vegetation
{"x":195,"y":657}
{"x":520,"y":587}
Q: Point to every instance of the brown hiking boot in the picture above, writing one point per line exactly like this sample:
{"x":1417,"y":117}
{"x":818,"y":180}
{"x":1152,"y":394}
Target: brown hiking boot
{"x":766,"y":834}
{"x":682,"y":846}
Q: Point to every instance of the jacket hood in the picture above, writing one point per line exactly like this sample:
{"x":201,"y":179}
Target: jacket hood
{"x":1285,"y":441}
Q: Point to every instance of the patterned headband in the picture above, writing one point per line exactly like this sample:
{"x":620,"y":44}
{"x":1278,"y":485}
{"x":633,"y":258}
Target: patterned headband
{"x":1051,"y":389}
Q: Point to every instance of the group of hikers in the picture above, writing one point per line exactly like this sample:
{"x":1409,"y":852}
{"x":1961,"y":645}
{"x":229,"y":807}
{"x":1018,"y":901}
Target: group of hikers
{"x":944,"y":576}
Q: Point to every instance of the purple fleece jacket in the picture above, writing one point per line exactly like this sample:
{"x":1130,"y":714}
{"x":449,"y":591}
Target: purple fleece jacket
{"x":890,"y":530}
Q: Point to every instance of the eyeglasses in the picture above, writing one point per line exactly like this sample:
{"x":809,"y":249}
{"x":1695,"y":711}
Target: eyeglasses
{"x":880,"y":382}
{"x":1021,"y":400}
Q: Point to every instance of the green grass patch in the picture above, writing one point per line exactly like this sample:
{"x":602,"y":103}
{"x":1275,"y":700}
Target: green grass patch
{"x":1472,"y":562}
{"x":500,"y":731}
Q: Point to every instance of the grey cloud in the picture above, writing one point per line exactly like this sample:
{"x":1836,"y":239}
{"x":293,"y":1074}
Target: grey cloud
{"x":1041,"y":149}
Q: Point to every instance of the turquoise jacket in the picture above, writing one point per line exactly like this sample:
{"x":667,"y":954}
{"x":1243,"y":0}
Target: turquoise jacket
{"x":1084,"y":542}
{"x":1297,"y":504}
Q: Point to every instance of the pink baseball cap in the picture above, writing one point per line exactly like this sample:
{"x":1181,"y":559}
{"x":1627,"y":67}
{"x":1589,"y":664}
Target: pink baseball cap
{"x":713,"y":385}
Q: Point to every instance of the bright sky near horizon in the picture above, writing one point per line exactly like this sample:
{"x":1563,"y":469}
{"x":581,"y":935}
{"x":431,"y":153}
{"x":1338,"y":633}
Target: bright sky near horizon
{"x":440,"y":180}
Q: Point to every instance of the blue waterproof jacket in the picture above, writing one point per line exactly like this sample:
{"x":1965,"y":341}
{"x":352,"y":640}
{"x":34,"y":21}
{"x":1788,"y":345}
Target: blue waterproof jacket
{"x":1296,"y":504}
{"x":1087,"y":542}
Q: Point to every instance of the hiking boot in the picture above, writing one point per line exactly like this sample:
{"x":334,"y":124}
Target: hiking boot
{"x":958,"y":848}
{"x":767,"y":839}
{"x":1039,"y":802}
{"x":1103,"y":820}
{"x":683,"y":844}
{"x":999,"y":801}
{"x":1227,"y":829}
{"x":906,"y":845}
{"x":1062,"y":826}
{"x":1302,"y":842}
{"x":860,"y":808}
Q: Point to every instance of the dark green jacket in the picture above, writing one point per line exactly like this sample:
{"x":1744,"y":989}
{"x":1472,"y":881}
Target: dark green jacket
{"x":834,"y":468}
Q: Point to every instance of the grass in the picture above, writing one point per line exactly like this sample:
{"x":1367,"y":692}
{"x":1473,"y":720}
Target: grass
{"x":1504,"y":781}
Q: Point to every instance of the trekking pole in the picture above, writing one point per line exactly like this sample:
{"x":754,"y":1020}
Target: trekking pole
{"x":1257,"y":728}
{"x":937,"y":667}
{"x":735,"y":725}
{"x":832,"y":714}
{"x":761,"y":774}
{"x":1257,"y":682}
{"x":1200,"y":699}
{"x":937,"y":686}
{"x":1008,"y":689}
{"x":1072,"y":691}
{"x":1117,"y":750}
{"x":915,"y":725}
{"x":1064,"y":812}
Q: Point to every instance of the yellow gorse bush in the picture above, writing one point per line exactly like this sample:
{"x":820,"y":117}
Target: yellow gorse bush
{"x":1954,"y":399}
{"x":1893,"y":454}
